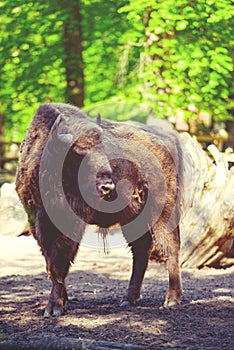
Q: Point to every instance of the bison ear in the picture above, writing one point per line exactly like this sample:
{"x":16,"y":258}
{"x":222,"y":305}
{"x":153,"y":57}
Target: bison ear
{"x":87,"y":140}
{"x":79,"y":150}
{"x":99,"y":119}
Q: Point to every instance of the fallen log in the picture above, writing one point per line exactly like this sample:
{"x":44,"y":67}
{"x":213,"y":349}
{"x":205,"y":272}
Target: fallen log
{"x":53,"y":342}
{"x":207,"y":228}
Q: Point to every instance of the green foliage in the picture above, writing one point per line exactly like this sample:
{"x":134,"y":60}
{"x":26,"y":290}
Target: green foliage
{"x":162,"y":53}
{"x":32,"y":68}
{"x":33,"y":57}
{"x":188,"y":54}
{"x":104,"y":46}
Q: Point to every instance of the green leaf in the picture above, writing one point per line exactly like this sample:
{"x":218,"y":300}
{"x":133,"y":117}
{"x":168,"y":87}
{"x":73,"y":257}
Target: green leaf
{"x":182,"y":25}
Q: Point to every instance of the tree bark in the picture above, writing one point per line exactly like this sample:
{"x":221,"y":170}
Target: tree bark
{"x":207,"y":229}
{"x":73,"y":53}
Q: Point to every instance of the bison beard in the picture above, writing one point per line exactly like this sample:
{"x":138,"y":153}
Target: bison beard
{"x":74,"y":171}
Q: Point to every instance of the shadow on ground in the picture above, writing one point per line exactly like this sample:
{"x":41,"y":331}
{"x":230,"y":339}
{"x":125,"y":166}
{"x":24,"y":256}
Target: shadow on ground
{"x":203,"y":321}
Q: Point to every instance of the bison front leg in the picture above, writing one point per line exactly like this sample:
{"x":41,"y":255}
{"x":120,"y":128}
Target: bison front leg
{"x":58,"y":296}
{"x":59,"y":251}
{"x":58,"y":262}
{"x":141,"y":251}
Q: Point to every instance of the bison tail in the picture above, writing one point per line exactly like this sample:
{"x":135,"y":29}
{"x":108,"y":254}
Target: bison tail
{"x":26,"y":231}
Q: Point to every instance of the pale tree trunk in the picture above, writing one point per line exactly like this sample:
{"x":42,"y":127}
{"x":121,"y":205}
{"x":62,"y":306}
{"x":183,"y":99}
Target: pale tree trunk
{"x":207,"y":228}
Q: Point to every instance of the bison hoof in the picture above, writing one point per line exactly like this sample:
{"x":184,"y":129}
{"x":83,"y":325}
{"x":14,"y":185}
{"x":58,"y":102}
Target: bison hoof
{"x":125,"y":303}
{"x":53,"y":310}
{"x":171,"y":304}
{"x":130,"y":301}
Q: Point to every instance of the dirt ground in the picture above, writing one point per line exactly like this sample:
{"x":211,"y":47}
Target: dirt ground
{"x":96,"y":283}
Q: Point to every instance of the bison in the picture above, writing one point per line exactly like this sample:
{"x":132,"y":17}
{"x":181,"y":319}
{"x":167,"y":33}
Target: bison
{"x":74,"y":171}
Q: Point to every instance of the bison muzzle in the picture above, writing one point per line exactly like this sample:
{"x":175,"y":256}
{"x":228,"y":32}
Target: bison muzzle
{"x":74,"y":171}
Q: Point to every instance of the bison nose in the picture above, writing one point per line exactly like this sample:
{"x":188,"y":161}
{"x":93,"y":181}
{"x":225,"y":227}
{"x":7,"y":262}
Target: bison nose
{"x":106,"y":188}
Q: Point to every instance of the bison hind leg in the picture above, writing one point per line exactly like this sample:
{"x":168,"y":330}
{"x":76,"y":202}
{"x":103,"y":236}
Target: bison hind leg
{"x":175,"y":287}
{"x":166,"y":251}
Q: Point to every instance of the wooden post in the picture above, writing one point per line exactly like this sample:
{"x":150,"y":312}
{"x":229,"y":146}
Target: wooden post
{"x":73,"y":54}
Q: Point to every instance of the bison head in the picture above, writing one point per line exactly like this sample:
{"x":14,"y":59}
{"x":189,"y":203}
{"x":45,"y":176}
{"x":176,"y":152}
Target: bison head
{"x":86,"y":168}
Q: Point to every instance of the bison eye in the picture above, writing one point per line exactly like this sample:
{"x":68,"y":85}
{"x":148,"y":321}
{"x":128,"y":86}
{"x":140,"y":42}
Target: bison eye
{"x":104,"y":174}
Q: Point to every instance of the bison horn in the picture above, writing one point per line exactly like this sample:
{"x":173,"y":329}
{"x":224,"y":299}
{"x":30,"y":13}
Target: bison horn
{"x":65,"y":138}
{"x":99,"y":119}
{"x":57,"y":121}
{"x":55,"y":127}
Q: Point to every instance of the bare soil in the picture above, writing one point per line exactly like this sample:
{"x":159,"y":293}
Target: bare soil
{"x":96,"y":283}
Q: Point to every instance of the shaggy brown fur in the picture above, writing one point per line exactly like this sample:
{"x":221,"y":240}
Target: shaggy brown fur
{"x":138,"y":166}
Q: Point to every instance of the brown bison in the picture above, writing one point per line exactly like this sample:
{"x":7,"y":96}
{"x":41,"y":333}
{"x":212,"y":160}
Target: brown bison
{"x":75,"y":171}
